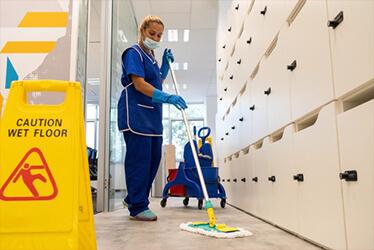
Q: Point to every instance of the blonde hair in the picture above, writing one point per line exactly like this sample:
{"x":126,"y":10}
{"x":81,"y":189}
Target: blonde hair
{"x":146,"y":22}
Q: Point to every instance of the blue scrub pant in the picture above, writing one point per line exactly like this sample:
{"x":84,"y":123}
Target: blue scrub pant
{"x":143,"y":155}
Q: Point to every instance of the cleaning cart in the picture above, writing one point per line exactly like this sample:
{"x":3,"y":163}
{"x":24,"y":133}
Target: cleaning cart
{"x":184,"y":181}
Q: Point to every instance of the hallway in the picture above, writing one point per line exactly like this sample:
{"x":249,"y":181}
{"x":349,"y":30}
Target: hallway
{"x":115,"y":231}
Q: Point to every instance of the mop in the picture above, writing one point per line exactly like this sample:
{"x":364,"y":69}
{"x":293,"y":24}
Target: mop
{"x":205,"y":228}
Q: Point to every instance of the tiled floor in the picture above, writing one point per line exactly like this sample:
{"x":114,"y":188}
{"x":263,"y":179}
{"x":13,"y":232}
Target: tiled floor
{"x":115,"y":230}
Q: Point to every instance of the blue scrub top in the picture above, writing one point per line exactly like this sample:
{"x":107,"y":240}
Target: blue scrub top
{"x":136,"y":111}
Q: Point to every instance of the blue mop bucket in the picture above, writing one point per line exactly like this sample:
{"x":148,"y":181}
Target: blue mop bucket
{"x":211,"y":180}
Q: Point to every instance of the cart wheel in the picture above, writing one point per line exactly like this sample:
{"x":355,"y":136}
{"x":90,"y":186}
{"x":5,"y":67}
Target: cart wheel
{"x":223,"y":203}
{"x":163,"y":203}
{"x":200,"y":204}
{"x":185,"y":201}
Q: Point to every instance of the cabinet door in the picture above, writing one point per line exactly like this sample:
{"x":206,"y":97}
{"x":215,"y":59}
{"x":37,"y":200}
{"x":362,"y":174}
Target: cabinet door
{"x":356,"y":141}
{"x":245,"y":118}
{"x":260,"y":99}
{"x":320,"y":202}
{"x":279,"y":107}
{"x":235,"y":191}
{"x":311,"y":80}
{"x":245,"y":180}
{"x":234,"y":126}
{"x":352,"y":43}
{"x":284,"y":189}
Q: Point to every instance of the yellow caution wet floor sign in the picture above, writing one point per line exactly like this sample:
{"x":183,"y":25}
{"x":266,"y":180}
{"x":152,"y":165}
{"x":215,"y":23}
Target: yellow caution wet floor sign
{"x":45,"y":193}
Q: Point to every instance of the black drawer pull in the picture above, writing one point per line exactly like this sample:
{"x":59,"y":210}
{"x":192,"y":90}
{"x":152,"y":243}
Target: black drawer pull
{"x":263,"y":12}
{"x":252,"y":107}
{"x":249,"y":41}
{"x":231,"y":77}
{"x":229,"y":29}
{"x":237,"y":7}
{"x":225,"y":89}
{"x":268,"y":91}
{"x":349,"y":175}
{"x":222,"y":138}
{"x":220,"y":99}
{"x":227,"y":133}
{"x":299,"y":177}
{"x":219,"y":60}
{"x":233,"y":127}
{"x":337,"y":20}
{"x":224,"y":46}
{"x":255,"y":179}
{"x":228,"y":180}
{"x":244,"y":180}
{"x":223,"y":180}
{"x":292,"y":66}
{"x":239,"y":61}
{"x":272,"y":178}
{"x":235,"y":180}
{"x":241,"y":119}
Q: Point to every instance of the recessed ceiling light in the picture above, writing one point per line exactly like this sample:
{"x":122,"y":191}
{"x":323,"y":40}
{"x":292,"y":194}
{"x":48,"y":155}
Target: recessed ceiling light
{"x":175,"y":66}
{"x":173,"y":35}
{"x":185,"y":66}
{"x":186,"y":35}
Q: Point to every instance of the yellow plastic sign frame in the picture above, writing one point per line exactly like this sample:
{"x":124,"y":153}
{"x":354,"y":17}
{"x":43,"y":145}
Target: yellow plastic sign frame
{"x":45,"y":193}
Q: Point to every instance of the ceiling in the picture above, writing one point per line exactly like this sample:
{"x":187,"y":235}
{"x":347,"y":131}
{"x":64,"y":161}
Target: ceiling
{"x":200,"y":17}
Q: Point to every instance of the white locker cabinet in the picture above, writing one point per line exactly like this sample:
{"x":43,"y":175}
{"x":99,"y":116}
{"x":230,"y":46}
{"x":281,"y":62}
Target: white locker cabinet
{"x":234,"y":125}
{"x":245,"y":180}
{"x":245,"y":120}
{"x":253,"y":184}
{"x":229,"y":88}
{"x":241,"y":71}
{"x":226,"y":182}
{"x":236,"y":171}
{"x":279,"y":107}
{"x":260,"y":162}
{"x":239,"y":10}
{"x":284,"y":190}
{"x":351,"y":25}
{"x":226,"y":136}
{"x":311,"y":78}
{"x":261,"y":91}
{"x":320,"y":202}
{"x":356,"y":143}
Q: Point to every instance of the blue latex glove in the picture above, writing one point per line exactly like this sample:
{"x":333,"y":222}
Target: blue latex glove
{"x":162,"y":97}
{"x":164,"y":70}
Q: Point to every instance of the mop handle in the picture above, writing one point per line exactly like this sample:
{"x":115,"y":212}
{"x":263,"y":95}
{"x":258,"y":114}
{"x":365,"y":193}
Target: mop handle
{"x":194,"y":153}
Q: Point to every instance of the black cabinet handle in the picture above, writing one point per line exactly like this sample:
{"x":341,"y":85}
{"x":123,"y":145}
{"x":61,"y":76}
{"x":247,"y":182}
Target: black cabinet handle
{"x":239,"y":61}
{"x":299,"y":177}
{"x":337,"y":20}
{"x":263,"y":12}
{"x":229,"y":29}
{"x":222,"y":138}
{"x":219,"y":60}
{"x":233,"y":127}
{"x":237,"y":7}
{"x":292,"y":66}
{"x":255,"y":179}
{"x":244,"y":180}
{"x":225,"y":89}
{"x":227,"y":133}
{"x":241,"y":119}
{"x":228,"y":180}
{"x":272,"y":178}
{"x":235,"y":180}
{"x":224,"y":46}
{"x":223,"y":180}
{"x":349,"y":175}
{"x":252,"y":107}
{"x":220,"y":99}
{"x":249,"y":41}
{"x":268,"y":91}
{"x":231,"y":77}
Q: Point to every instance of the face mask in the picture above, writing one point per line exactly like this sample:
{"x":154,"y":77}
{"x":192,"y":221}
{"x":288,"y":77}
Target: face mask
{"x":151,"y":44}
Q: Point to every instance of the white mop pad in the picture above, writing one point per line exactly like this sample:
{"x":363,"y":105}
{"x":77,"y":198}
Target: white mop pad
{"x":214,"y":232}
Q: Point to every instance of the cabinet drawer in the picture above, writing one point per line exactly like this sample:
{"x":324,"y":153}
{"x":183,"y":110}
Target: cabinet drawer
{"x":356,"y":143}
{"x":320,"y":202}
{"x":352,"y":43}
{"x":311,"y":80}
